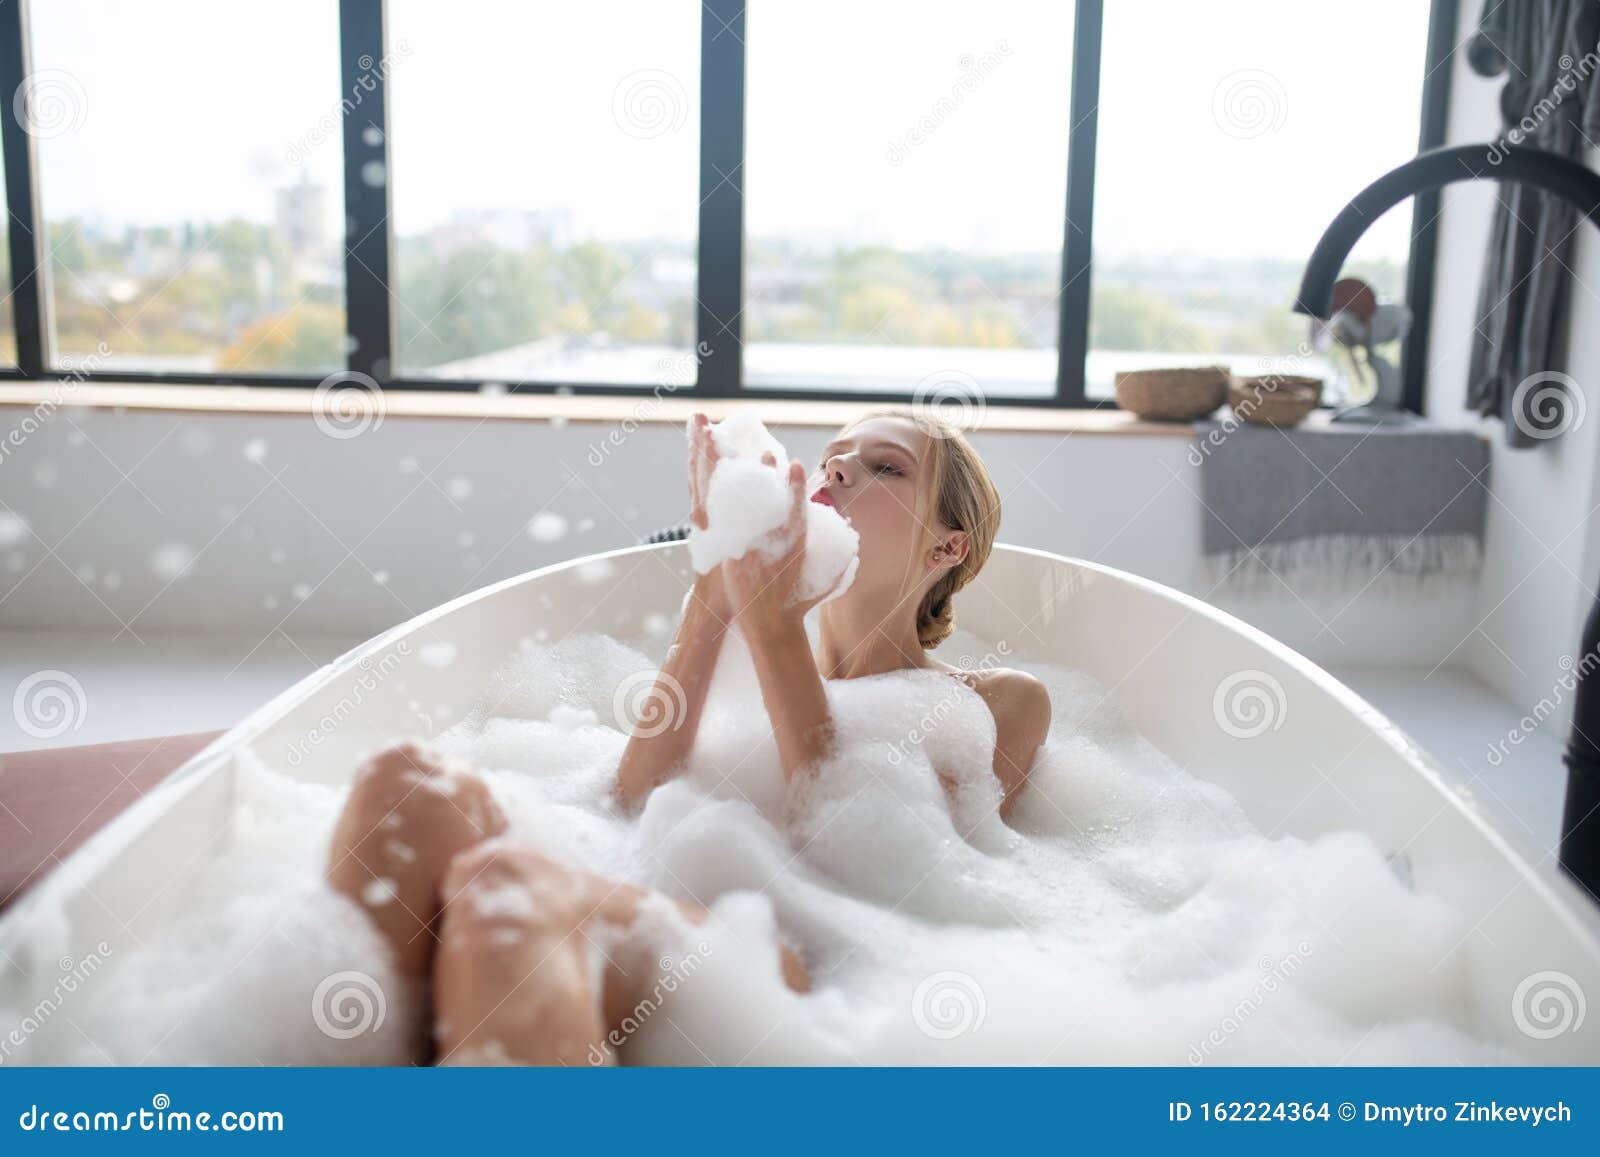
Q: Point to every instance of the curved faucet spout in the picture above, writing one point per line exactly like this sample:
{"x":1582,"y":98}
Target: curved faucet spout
{"x":1431,"y":170}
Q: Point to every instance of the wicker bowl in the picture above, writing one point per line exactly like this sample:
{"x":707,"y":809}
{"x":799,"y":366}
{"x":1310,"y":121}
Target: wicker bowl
{"x":1274,"y":399}
{"x":1172,"y":395}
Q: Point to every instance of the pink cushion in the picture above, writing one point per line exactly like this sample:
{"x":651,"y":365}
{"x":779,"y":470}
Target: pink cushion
{"x":52,"y":800}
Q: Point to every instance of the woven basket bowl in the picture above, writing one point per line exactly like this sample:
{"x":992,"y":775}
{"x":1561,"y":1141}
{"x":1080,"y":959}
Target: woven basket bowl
{"x":1172,"y":395}
{"x":1274,"y":399}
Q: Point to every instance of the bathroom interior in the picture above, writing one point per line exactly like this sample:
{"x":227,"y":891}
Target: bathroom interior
{"x":308,"y":350}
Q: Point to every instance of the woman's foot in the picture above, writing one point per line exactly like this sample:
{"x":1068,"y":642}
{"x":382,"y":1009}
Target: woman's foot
{"x":410,"y":810}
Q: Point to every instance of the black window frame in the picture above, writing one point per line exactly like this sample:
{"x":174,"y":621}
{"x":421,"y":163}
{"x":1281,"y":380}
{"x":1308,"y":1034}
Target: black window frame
{"x":369,"y":243}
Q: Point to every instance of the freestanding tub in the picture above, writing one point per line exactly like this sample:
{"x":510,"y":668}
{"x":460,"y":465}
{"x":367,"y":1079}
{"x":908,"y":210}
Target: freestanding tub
{"x":1319,"y":759}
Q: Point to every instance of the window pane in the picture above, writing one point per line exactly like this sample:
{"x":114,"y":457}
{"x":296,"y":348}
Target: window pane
{"x":190,"y":170}
{"x":905,"y":183}
{"x":1230,"y":134}
{"x":545,"y":196}
{"x":8,"y":336}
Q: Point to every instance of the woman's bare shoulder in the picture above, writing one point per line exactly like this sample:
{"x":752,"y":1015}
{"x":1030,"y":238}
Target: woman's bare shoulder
{"x":1019,"y":694}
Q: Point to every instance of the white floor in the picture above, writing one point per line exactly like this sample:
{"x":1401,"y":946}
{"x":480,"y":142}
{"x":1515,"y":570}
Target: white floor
{"x":167,"y":685}
{"x":1467,"y":728}
{"x":174,"y":684}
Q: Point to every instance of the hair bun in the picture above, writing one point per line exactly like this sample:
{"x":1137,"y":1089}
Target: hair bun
{"x":936,"y":616}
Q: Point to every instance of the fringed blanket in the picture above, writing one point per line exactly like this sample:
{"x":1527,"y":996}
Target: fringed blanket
{"x":1329,"y":508}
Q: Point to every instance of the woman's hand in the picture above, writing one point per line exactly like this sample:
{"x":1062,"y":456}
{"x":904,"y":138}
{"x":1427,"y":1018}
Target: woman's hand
{"x":703,"y":458}
{"x":761,"y":590}
{"x":708,"y":588}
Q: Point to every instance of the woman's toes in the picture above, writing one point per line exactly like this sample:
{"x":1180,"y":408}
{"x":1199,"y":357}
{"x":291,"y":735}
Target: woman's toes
{"x":411,"y":784}
{"x":410,"y":809}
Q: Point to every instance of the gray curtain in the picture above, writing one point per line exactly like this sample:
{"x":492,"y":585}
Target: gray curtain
{"x":1547,"y":50}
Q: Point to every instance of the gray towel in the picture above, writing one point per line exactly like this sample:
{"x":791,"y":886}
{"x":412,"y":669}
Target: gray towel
{"x":1331,"y":508}
{"x":1551,"y":100}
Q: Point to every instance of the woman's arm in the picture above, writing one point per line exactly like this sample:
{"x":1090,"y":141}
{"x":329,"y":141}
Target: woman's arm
{"x":761,"y":595}
{"x":791,"y":689}
{"x":1021,"y":706}
{"x":655,"y":752}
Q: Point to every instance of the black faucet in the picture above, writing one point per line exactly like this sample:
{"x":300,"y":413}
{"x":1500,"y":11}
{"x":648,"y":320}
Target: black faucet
{"x":1580,"y":819}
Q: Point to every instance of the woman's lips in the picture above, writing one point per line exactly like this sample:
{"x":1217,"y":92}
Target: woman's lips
{"x":824,"y":497}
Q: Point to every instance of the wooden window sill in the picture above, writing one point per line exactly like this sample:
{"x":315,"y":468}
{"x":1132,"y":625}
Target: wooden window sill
{"x":544,"y":407}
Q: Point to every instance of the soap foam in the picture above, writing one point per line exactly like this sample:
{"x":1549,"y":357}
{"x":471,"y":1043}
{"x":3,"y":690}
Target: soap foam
{"x":747,"y":503}
{"x":1132,"y":913}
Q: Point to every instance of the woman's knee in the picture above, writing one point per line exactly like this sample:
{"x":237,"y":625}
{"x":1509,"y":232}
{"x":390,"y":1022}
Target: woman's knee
{"x":502,"y":881}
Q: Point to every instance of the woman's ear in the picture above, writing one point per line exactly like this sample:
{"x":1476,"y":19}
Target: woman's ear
{"x":951,"y":550}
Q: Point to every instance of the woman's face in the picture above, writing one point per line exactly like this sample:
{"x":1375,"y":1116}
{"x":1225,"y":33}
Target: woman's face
{"x":873,"y":472}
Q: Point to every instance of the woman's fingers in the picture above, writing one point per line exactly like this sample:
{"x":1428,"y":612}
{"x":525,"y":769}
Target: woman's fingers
{"x":796,"y":523}
{"x":697,"y":502}
{"x":702,"y":461}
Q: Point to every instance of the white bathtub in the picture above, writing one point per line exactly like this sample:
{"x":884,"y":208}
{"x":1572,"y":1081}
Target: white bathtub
{"x":1330,"y":761}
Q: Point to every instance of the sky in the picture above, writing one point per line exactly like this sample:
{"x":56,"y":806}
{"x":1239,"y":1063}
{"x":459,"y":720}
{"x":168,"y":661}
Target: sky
{"x":1229,"y":128}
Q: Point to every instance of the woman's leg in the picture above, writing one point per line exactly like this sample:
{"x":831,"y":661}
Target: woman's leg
{"x":409,"y":811}
{"x":517,"y":980}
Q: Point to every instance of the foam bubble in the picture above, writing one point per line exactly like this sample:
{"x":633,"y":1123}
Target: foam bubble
{"x":747,"y":503}
{"x":170,"y":560}
{"x":13,"y":528}
{"x":546,"y":526}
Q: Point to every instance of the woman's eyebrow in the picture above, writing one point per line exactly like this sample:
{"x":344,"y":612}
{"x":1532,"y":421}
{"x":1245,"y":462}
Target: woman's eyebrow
{"x":880,"y":444}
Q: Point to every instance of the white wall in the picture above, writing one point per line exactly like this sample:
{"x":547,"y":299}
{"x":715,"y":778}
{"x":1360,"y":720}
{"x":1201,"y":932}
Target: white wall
{"x":1541,"y":557}
{"x":441,"y":506}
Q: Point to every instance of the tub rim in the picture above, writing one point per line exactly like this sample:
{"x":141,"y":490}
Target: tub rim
{"x":1575,"y":909}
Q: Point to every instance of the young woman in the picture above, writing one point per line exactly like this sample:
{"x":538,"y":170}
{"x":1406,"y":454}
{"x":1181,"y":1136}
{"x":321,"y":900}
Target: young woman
{"x":498,"y":931}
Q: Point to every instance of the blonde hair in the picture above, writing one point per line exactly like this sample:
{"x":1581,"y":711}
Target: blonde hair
{"x":963,"y":497}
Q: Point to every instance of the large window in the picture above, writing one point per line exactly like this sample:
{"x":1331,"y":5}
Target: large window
{"x":189,"y":169}
{"x":762,"y":198}
{"x":904,"y":199}
{"x":545,"y":160}
{"x":1230,"y":133}
{"x":8,"y":333}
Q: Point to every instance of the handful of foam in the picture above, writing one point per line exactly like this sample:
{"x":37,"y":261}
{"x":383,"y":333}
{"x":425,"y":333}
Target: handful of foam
{"x":747,"y":503}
